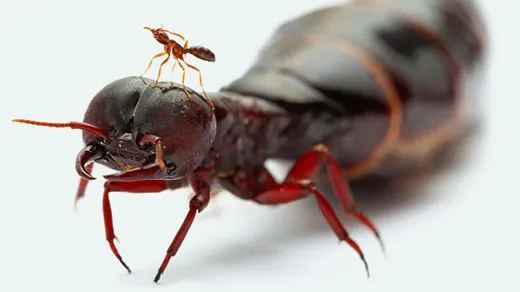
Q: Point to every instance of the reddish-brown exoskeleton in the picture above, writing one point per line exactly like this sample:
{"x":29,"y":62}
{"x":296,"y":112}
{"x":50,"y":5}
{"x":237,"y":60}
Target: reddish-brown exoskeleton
{"x":367,"y":107}
{"x":178,"y":52}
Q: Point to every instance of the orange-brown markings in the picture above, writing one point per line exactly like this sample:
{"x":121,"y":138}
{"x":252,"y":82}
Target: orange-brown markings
{"x":159,"y":154}
{"x":391,"y":95}
{"x":421,"y":146}
{"x":124,"y":166}
{"x":157,"y":141}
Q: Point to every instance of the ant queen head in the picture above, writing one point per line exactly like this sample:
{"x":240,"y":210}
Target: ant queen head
{"x":152,"y":133}
{"x":143,"y":132}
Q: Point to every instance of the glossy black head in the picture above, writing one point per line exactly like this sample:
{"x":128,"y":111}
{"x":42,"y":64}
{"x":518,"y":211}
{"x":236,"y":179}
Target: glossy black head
{"x":129,"y":109}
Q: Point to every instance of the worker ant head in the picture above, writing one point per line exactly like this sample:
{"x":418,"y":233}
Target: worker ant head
{"x":159,"y":35}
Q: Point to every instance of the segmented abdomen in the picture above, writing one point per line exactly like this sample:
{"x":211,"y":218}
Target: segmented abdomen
{"x":395,"y":69}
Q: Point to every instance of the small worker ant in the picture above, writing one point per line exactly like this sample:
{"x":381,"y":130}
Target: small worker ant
{"x":178,"y":52}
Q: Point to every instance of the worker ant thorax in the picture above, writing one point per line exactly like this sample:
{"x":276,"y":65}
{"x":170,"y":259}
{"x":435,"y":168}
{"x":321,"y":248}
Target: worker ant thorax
{"x":176,"y":49}
{"x":161,"y":37}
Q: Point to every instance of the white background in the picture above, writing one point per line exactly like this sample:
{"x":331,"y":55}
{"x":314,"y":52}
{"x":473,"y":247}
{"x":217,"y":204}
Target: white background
{"x":456,"y":231}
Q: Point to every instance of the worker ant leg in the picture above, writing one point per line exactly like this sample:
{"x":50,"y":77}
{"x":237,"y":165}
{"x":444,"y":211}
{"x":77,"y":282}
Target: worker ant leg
{"x":151,"y":61}
{"x":296,"y":186}
{"x":310,"y":163}
{"x":200,"y":79}
{"x":160,"y":69}
{"x":173,"y":69}
{"x":147,"y":186}
{"x":183,"y":78}
{"x":83,"y":184}
{"x":186,"y":46}
{"x":184,"y":73}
